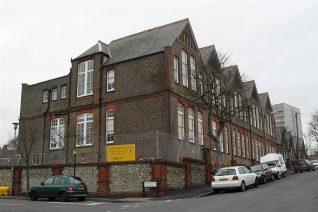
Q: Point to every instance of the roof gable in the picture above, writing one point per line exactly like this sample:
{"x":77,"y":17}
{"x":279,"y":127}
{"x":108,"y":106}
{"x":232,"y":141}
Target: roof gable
{"x":265,"y":101}
{"x":187,"y":37}
{"x":231,"y":75}
{"x":146,"y":42}
{"x":250,"y":90}
{"x":209,"y":57}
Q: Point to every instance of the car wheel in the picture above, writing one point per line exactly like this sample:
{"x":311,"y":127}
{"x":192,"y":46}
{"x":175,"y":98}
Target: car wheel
{"x":242,"y":188}
{"x":272,"y":178}
{"x":256,"y":183}
{"x":33,"y":196}
{"x":81,"y":199}
{"x":51,"y":198}
{"x":63,"y":196}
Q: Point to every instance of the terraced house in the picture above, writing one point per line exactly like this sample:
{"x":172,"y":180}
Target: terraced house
{"x":143,"y":89}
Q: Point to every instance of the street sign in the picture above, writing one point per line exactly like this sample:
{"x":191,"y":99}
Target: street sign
{"x":120,"y":153}
{"x":150,"y":184}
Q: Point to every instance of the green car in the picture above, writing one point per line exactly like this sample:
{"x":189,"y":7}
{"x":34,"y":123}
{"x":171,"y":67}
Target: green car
{"x":62,"y":186}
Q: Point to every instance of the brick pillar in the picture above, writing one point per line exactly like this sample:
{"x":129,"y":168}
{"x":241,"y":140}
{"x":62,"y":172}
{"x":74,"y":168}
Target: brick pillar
{"x":56,"y":170}
{"x":208,"y":166}
{"x":159,"y":174}
{"x":187,"y":173}
{"x":103,"y":180}
{"x":17,"y":176}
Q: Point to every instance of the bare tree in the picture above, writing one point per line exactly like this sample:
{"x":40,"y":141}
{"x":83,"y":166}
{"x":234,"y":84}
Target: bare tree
{"x":218,"y":97}
{"x":313,"y":127}
{"x":24,"y":144}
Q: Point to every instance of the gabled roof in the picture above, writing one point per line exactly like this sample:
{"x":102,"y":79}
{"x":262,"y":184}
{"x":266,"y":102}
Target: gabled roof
{"x":250,"y":89}
{"x":97,"y":48}
{"x":265,"y":101}
{"x":231,"y":75}
{"x":210,"y":56}
{"x":146,"y":42}
{"x":206,"y":53}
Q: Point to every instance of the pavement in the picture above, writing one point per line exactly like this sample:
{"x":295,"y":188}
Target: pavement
{"x":192,"y":192}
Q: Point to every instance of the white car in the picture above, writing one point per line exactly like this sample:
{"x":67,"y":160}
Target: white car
{"x":315,"y":163}
{"x":235,"y":177}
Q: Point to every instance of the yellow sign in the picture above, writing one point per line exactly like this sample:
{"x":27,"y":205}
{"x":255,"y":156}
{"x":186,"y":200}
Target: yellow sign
{"x":119,"y":153}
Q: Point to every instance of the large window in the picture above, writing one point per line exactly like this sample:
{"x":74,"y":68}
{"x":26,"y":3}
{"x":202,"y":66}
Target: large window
{"x":200,"y":76}
{"x":243,"y":145}
{"x":234,"y":142}
{"x":226,"y":140}
{"x":57,"y":133}
{"x":85,"y":78}
{"x":84,"y":129}
{"x":54,"y":94}
{"x":63,"y":92}
{"x":45,"y":97}
{"x":110,"y":126}
{"x":191,"y":125}
{"x":200,"y":128}
{"x":180,"y":121}
{"x":176,"y":69}
{"x":185,"y":79}
{"x":193,"y":74}
{"x":110,"y":80}
{"x":238,"y":136}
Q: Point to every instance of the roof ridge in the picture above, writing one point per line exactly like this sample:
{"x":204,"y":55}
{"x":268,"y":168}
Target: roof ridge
{"x":99,"y":41}
{"x":151,"y":29}
{"x":249,"y":81}
{"x":263,"y":93}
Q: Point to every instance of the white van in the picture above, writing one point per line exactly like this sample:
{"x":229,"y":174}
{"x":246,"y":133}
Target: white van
{"x":276,"y":163}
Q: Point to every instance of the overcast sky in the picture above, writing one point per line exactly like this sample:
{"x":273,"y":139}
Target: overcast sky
{"x":273,"y":42}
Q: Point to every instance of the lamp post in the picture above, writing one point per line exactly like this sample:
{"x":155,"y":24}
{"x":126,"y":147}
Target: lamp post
{"x":74,"y":167}
{"x":15,"y":127}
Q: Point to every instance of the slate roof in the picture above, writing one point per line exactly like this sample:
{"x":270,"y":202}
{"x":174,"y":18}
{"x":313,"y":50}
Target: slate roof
{"x":146,"y":42}
{"x":206,"y":53}
{"x":229,"y":73}
{"x":263,"y":100}
{"x":248,"y":88}
{"x":97,"y":48}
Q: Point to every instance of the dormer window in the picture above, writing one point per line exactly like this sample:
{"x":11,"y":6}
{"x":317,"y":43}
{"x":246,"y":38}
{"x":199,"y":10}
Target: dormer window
{"x":85,"y":78}
{"x":45,"y":97}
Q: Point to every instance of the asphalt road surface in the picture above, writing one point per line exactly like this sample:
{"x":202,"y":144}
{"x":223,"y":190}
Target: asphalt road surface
{"x":296,"y":193}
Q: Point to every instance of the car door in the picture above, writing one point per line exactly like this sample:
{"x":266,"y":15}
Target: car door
{"x":250,"y":177}
{"x":243,"y":176}
{"x":267,"y":171}
{"x":43,"y":190}
{"x":57,"y":186}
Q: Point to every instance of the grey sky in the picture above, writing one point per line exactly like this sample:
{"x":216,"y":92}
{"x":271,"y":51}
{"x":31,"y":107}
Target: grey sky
{"x":274,"y":43}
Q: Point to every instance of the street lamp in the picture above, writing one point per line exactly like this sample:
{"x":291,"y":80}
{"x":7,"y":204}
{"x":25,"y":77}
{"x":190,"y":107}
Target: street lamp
{"x":15,"y":126}
{"x":74,"y":167}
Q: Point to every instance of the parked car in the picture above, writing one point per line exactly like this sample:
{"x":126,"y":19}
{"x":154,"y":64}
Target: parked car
{"x":63,"y":187}
{"x":276,"y":163}
{"x":235,"y":177}
{"x":263,"y":172}
{"x":315,"y":163}
{"x":302,"y":165}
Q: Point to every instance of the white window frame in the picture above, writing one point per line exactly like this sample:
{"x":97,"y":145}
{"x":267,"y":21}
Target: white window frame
{"x":45,"y":97}
{"x":85,"y":78}
{"x":214,"y":128}
{"x":63,"y":92}
{"x":57,"y":133}
{"x":180,"y":121}
{"x":185,"y":80}
{"x":239,"y":150}
{"x":54,"y":94}
{"x":176,"y":69}
{"x":193,"y":75}
{"x":200,"y":128}
{"x":110,"y":80}
{"x":191,"y":125}
{"x":200,"y":76}
{"x":85,"y":124}
{"x":110,"y":126}
{"x":243,"y":145}
{"x":226,"y":140}
{"x":234,"y":142}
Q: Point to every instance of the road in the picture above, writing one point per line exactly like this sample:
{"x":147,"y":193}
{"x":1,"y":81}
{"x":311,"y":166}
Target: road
{"x":296,"y":193}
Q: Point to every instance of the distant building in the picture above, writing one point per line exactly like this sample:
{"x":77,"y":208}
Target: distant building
{"x":289,"y":117}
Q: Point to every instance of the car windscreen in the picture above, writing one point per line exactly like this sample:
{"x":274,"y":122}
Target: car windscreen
{"x":271,"y":164}
{"x":314,"y":161}
{"x":76,"y":180}
{"x":256,"y":168}
{"x":224,"y":172}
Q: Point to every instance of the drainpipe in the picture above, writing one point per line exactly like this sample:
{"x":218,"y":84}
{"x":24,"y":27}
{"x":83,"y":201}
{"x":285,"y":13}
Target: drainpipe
{"x":68,"y":116}
{"x":100,"y":104}
{"x":44,"y":122}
